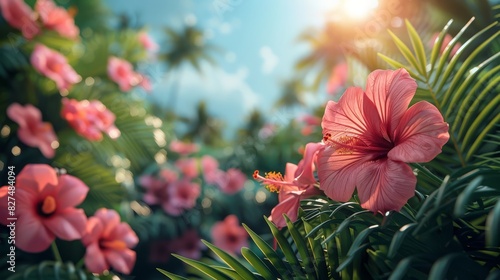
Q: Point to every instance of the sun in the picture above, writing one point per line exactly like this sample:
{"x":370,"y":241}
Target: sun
{"x":357,"y":9}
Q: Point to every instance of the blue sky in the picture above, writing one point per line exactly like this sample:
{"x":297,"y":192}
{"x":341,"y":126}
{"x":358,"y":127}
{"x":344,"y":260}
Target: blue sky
{"x":260,"y":46}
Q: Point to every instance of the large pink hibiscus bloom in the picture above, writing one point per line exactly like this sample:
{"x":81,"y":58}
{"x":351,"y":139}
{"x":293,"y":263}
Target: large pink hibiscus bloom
{"x":370,"y":136}
{"x":109,"y":243}
{"x":45,"y":207}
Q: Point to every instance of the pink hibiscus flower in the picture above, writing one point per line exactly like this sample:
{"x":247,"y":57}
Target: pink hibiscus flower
{"x":189,"y":245}
{"x":45,"y":207}
{"x":89,"y":119}
{"x":183,"y":148}
{"x":109,"y":243}
{"x":122,"y":72}
{"x":370,"y":136}
{"x":156,"y":190}
{"x":231,"y":181}
{"x":187,"y":166}
{"x":56,"y":18}
{"x":182,"y":195}
{"x":297,"y":184}
{"x":20,"y":16}
{"x":229,"y":236}
{"x":147,"y":42}
{"x":32,"y":131}
{"x":54,"y":66}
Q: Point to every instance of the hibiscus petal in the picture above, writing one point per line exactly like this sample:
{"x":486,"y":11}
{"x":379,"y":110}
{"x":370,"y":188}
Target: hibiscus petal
{"x":304,"y":172}
{"x":35,"y":237}
{"x":35,"y":177}
{"x":72,"y":192}
{"x":109,"y":218}
{"x":337,"y":172}
{"x":122,"y":261}
{"x":94,"y":259}
{"x":124,"y":232}
{"x":68,"y":225}
{"x":391,"y":92}
{"x":420,"y":135}
{"x":385,"y":185}
{"x":289,"y":206}
{"x":93,"y":230}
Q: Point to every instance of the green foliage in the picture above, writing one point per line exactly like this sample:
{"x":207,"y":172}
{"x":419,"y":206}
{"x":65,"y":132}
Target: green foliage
{"x":50,"y":270}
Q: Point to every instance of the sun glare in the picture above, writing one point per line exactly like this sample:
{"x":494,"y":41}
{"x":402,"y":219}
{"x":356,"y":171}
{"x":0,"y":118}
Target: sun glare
{"x":358,"y":9}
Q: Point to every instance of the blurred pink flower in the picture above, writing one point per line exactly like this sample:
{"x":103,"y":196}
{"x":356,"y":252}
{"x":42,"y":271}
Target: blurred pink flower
{"x":187,"y":166}
{"x":168,"y":175}
{"x":32,"y":131}
{"x":183,"y":148}
{"x":338,"y":78}
{"x":189,"y":245}
{"x":54,"y":66}
{"x":45,"y":207}
{"x":310,"y":120}
{"x":122,"y":72}
{"x":446,"y":40}
{"x":109,"y":243}
{"x":231,"y":181}
{"x":210,"y":169}
{"x":89,"y":119}
{"x":291,"y":191}
{"x":229,"y":236}
{"x":20,"y":16}
{"x":182,"y":195}
{"x":156,"y":190}
{"x":147,"y":42}
{"x":56,"y":18}
{"x":369,"y":136}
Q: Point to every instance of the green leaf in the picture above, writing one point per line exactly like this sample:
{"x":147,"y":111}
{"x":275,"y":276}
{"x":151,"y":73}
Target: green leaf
{"x":406,"y":52}
{"x":204,"y":268}
{"x":318,"y":253}
{"x":258,"y":264}
{"x":171,"y":275}
{"x":418,"y":47}
{"x":493,"y":227}
{"x":231,"y":261}
{"x":270,"y":254}
{"x":302,"y":247}
{"x":287,"y":249}
{"x":456,"y":265}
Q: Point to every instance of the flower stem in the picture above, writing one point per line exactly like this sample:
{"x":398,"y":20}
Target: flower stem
{"x":55,"y":251}
{"x":427,"y":173}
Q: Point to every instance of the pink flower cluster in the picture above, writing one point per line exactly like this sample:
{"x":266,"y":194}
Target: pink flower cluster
{"x":51,"y":17}
{"x":54,"y":66}
{"x":46,"y":208}
{"x":89,"y":118}
{"x":173,"y":194}
{"x":229,"y":236}
{"x":122,"y":72}
{"x":229,"y":182}
{"x":368,"y":139}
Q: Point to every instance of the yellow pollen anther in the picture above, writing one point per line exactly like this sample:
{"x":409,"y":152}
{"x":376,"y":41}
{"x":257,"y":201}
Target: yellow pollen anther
{"x":49,"y":205}
{"x":276,"y":176}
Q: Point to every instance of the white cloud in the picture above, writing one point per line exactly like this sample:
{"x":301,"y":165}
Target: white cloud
{"x":228,"y":95}
{"x":269,"y":59}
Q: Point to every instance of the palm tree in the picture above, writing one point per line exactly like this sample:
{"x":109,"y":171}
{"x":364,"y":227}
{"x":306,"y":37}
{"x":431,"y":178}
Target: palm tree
{"x":187,"y":45}
{"x":292,"y":93}
{"x":204,"y":127}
